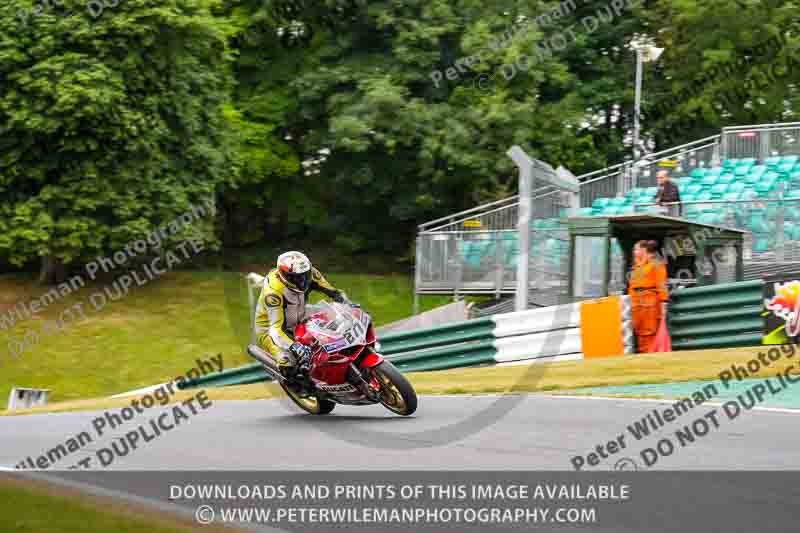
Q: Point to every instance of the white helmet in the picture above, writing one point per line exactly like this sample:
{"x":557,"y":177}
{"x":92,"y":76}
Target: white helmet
{"x":294,"y":269}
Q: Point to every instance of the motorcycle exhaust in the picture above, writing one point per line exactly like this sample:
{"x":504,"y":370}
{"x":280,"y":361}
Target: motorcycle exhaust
{"x":266,"y":361}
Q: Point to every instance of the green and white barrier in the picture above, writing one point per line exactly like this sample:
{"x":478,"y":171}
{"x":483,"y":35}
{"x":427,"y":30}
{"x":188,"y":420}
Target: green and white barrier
{"x":534,"y":336}
{"x":537,"y":335}
{"x":717,"y":316}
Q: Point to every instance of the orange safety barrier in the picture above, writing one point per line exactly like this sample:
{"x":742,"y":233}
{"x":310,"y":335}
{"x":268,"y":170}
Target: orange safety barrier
{"x":601,"y":327}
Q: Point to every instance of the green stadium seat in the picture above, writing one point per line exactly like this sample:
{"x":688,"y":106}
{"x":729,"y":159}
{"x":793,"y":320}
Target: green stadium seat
{"x":758,"y":170}
{"x":764,"y":189}
{"x":772,"y":161}
{"x":748,"y":195}
{"x":584,"y":212}
{"x":698,"y":173}
{"x":741,"y":171}
{"x":600,"y":203}
{"x":759,"y":222}
{"x":611,"y":210}
{"x":711,"y":218}
{"x":694,"y":189}
{"x":684,"y":182}
{"x":765,"y":186}
{"x":790,"y":230}
{"x":719,"y":190}
{"x":729,"y":163}
{"x":731,"y":196}
{"x":709,"y":181}
{"x":618,"y":202}
{"x":752,"y":179}
{"x":736,"y":186}
{"x":746,"y":162}
{"x":705,"y":196}
{"x":793,"y":159}
{"x":715,"y":171}
{"x":761,"y":244}
{"x":727,"y":178}
{"x":785,"y":168}
{"x":473,"y":251}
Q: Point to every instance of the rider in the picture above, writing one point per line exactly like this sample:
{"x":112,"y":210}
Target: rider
{"x":282,"y":303}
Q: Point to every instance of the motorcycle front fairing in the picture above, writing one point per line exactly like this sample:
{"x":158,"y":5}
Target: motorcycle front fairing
{"x":340,"y":335}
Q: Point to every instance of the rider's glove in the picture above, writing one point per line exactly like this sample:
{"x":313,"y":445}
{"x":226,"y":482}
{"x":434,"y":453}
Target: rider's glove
{"x":302,"y":352}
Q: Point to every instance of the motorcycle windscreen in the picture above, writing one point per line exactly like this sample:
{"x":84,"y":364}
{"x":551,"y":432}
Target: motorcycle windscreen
{"x":337,"y":326}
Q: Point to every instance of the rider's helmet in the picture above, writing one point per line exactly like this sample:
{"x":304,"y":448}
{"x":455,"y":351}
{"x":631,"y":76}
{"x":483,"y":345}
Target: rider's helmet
{"x":294,"y":269}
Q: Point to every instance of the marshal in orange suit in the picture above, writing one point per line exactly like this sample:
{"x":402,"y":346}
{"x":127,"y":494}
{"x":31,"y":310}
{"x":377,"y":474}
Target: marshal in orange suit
{"x":648,"y":291}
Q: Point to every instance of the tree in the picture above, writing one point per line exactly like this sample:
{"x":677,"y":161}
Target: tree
{"x":716,"y":70}
{"x":110,"y":126}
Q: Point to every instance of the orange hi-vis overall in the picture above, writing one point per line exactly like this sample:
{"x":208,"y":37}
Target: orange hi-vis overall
{"x":648,"y":291}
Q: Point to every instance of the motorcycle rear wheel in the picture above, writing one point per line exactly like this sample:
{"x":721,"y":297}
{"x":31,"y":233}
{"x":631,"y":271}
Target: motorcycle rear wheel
{"x":397,"y":394}
{"x":313,"y":405}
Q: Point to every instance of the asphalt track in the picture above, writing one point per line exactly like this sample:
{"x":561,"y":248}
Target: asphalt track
{"x":521,"y":435}
{"x":537,"y":433}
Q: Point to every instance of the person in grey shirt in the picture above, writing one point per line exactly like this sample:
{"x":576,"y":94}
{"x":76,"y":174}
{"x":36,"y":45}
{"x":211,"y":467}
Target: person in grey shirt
{"x":668,"y":195}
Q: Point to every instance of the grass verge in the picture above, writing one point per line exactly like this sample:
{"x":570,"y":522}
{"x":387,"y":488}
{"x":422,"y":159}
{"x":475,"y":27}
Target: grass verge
{"x":37,"y":507}
{"x":156,"y":331}
{"x":557,"y":377}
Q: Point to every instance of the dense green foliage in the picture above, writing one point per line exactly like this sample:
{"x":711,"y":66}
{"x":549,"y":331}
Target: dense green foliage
{"x":326,"y":120}
{"x":109,"y":127}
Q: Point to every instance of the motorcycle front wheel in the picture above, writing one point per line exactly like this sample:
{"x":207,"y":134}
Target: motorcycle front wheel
{"x":313,"y":404}
{"x":397,"y":394}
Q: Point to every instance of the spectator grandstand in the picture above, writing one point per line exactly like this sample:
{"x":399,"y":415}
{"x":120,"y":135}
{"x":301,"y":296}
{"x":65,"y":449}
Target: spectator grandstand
{"x":747,"y":177}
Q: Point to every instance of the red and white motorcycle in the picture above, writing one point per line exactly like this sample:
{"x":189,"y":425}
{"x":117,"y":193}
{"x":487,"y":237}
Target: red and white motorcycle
{"x":344,"y":366}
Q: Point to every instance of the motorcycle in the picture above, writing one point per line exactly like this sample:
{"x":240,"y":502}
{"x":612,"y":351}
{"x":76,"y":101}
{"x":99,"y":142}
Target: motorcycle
{"x":344,"y":367}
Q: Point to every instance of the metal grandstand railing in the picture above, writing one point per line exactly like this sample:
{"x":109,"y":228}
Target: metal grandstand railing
{"x":773,"y":222}
{"x":606,"y":183}
{"x":476,"y":251}
{"x":473,"y":251}
{"x":761,"y":141}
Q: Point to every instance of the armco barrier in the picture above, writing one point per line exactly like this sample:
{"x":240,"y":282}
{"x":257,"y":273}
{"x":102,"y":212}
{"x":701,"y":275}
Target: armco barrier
{"x":714,"y":316}
{"x":243,"y":375}
{"x":717,"y":316}
{"x":504,"y":338}
{"x":496,"y":339}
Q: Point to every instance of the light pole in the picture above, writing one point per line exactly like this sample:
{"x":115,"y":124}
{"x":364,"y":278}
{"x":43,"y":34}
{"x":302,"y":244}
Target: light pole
{"x":644,"y":54}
